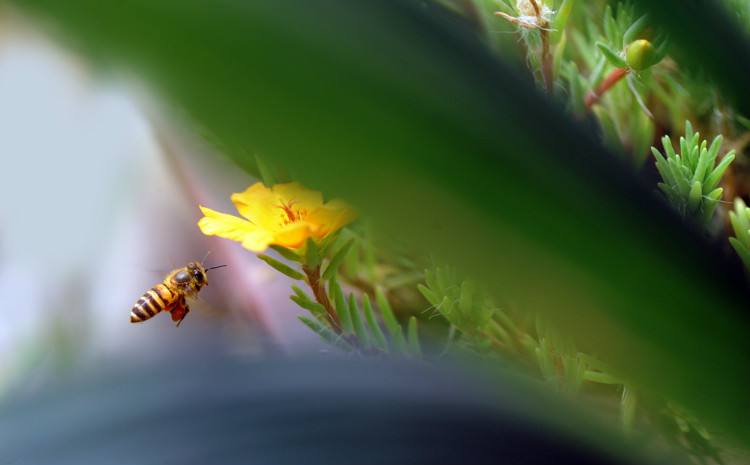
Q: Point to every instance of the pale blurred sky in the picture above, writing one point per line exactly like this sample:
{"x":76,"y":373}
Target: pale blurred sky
{"x":92,"y":216}
{"x":62,"y":138}
{"x":72,"y":150}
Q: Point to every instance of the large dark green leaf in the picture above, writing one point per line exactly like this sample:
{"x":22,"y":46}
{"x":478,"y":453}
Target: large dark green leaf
{"x":407,"y":116}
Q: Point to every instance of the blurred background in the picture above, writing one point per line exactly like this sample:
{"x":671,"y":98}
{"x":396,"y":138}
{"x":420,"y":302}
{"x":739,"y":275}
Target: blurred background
{"x":72,"y":264}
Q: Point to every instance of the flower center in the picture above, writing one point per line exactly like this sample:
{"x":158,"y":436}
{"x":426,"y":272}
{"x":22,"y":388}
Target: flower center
{"x":289,"y":214}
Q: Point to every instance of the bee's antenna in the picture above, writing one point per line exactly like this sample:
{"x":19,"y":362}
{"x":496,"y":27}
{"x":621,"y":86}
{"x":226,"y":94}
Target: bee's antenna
{"x":214,"y":267}
{"x":206,"y":256}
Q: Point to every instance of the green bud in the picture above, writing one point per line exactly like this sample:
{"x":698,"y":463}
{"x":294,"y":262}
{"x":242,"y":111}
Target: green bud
{"x":641,"y":55}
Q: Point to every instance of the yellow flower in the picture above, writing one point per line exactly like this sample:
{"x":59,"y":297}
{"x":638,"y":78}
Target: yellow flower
{"x":285,"y":214}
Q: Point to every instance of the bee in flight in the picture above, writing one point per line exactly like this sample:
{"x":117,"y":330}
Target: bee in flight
{"x":169,"y":295}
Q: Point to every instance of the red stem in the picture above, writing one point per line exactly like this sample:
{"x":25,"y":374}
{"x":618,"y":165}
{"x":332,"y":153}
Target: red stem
{"x":319,"y":291}
{"x":608,"y":82}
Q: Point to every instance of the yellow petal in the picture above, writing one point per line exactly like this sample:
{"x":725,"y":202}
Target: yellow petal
{"x":293,"y":236}
{"x":259,"y":205}
{"x":331,"y":217}
{"x":237,"y":229}
{"x":265,"y":207}
{"x":298,"y":195}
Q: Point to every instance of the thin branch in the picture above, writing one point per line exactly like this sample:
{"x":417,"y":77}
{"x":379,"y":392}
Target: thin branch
{"x":612,"y":79}
{"x":546,"y":58}
{"x":547,"y":65}
{"x":542,"y":25}
{"x":319,"y":291}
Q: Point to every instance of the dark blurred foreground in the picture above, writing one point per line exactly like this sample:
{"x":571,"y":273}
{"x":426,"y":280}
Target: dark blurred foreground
{"x":210,"y":410}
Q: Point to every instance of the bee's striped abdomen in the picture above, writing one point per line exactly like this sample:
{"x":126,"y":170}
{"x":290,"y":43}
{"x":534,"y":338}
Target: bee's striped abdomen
{"x":153,"y":301}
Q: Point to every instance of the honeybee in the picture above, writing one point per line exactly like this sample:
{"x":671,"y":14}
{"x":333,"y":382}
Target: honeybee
{"x":169,"y":295}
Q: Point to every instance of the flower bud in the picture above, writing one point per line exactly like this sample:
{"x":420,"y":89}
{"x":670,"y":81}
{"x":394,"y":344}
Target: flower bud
{"x":641,"y":54}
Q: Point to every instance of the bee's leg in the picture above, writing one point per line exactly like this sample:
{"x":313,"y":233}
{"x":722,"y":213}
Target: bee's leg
{"x":183,"y":316}
{"x":179,"y":311}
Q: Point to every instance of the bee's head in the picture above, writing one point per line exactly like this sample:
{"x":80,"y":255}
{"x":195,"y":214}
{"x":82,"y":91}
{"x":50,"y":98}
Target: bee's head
{"x":197,"y":274}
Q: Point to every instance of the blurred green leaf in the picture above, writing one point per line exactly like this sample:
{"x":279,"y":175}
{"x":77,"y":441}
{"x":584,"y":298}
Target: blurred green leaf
{"x":709,"y":40}
{"x":304,"y":301}
{"x":287,"y":253}
{"x":326,"y":334}
{"x":359,"y":328}
{"x":282,"y":268}
{"x":561,"y":19}
{"x":613,"y":57}
{"x":413,"y":337}
{"x":335,"y":262}
{"x":634,"y":31}
{"x":265,"y":172}
{"x":391,"y":324}
{"x":372,"y":323}
{"x":628,"y":406}
{"x":342,"y":309}
{"x":740,"y":220}
{"x":312,"y":254}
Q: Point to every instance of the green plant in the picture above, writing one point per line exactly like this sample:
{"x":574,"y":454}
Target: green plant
{"x":691,"y":178}
{"x":478,"y":326}
{"x":621,"y":47}
{"x":360,"y":330}
{"x":348,"y":321}
{"x":740,"y":219}
{"x":542,"y":31}
{"x":685,"y":430}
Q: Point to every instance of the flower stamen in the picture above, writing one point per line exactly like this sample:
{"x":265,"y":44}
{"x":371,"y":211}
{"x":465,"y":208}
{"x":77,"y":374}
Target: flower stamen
{"x":291,"y":215}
